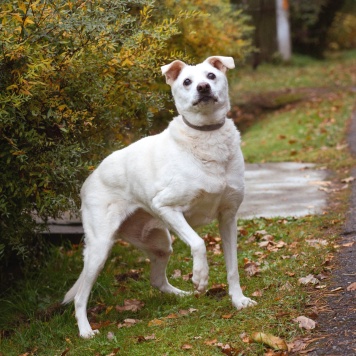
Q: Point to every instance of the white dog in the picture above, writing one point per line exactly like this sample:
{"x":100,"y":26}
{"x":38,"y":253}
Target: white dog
{"x":186,"y":176}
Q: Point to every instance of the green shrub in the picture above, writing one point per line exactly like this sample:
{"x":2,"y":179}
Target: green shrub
{"x":76,"y":77}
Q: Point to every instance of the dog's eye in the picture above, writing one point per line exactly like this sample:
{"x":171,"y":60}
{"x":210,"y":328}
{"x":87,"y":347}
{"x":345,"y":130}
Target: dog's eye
{"x":211,"y":76}
{"x":187,"y":82}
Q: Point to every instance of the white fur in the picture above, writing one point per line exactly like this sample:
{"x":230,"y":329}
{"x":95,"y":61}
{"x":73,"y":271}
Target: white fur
{"x":174,"y":181}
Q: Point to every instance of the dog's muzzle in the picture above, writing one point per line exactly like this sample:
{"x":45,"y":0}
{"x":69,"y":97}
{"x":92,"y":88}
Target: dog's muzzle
{"x":205,"y":94}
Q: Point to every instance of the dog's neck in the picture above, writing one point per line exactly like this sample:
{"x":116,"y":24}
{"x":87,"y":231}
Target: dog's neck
{"x":211,"y":127}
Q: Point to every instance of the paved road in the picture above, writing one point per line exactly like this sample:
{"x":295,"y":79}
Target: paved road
{"x":338,"y":323}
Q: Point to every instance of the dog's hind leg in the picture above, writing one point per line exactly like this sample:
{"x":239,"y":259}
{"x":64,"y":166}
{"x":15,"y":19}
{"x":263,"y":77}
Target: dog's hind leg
{"x":151,"y":236}
{"x":158,"y":249}
{"x":99,"y":230}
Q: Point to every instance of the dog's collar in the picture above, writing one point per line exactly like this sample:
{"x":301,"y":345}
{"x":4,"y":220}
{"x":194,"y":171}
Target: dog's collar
{"x":212,"y":127}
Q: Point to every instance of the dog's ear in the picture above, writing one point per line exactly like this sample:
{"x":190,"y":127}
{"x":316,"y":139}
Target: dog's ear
{"x":172,"y":70}
{"x":221,"y":63}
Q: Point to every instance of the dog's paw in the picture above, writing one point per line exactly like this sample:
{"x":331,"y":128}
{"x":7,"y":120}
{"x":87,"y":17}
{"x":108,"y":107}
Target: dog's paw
{"x":200,"y":281}
{"x":88,"y":334}
{"x":243,"y":302}
{"x":168,"y":288}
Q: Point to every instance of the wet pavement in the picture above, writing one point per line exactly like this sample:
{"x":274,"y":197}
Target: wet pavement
{"x":283,"y":189}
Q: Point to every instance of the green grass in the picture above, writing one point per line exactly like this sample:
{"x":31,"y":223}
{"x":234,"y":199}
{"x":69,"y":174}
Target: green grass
{"x":33,"y":323}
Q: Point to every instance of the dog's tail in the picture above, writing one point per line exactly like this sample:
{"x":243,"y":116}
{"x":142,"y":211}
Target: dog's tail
{"x":73,"y":291}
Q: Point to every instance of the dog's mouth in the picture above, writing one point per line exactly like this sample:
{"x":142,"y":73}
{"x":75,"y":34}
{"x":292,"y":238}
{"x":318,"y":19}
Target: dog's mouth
{"x":205,"y":99}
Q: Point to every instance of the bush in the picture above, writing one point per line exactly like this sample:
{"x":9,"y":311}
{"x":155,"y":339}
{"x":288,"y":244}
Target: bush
{"x":220,"y":29}
{"x":76,"y":76}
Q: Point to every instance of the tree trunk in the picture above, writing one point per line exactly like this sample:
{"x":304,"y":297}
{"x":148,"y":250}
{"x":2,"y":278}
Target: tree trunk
{"x":283,"y":29}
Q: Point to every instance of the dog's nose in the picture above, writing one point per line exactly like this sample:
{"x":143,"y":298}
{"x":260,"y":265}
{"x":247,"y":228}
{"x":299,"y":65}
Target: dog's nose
{"x":203,"y":87}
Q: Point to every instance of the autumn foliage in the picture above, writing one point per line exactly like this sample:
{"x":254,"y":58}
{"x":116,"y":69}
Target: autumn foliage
{"x":78,"y":77}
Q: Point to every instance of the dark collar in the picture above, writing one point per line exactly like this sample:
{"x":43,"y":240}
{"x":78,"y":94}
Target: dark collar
{"x":212,"y":127}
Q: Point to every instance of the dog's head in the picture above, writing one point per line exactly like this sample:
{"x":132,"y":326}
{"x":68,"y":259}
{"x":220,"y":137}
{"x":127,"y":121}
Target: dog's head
{"x":200,"y":91}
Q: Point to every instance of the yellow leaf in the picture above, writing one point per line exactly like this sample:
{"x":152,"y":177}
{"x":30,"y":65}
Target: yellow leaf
{"x":155,"y":322}
{"x":22,"y":7}
{"x":17,"y":17}
{"x":270,"y":340}
{"x":28,"y":21}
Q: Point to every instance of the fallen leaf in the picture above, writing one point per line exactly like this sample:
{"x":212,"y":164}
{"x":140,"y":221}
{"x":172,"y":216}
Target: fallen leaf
{"x":309,"y":279}
{"x":260,"y":233}
{"x":177,"y":273}
{"x":133,"y":274}
{"x":287,"y":286}
{"x":128,"y":323}
{"x":114,"y":351}
{"x":348,"y":244}
{"x":187,"y":277}
{"x":351,"y":287}
{"x":348,"y":179}
{"x":317,"y":242}
{"x":245,"y":338}
{"x":211,"y":342}
{"x":110,"y":335}
{"x":257,"y":293}
{"x":130,"y":305}
{"x":186,"y":347}
{"x":141,"y":338}
{"x":155,"y":322}
{"x":305,"y":323}
{"x":62,"y":354}
{"x":217,"y":291}
{"x":97,"y":326}
{"x":251,"y":268}
{"x":183,"y":312}
{"x":172,"y":316}
{"x":227,"y":316}
{"x":273,"y":341}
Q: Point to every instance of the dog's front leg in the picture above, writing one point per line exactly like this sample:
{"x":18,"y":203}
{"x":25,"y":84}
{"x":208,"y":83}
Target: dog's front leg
{"x":228,"y":233}
{"x":177,"y":223}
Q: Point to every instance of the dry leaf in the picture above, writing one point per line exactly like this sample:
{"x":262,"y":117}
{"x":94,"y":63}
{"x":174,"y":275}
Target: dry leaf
{"x":227,"y":316}
{"x":348,"y":179}
{"x":128,"y":323}
{"x":187,"y":277}
{"x":351,"y":287}
{"x":155,"y":322}
{"x":273,"y":341}
{"x":217,"y":291}
{"x":317,"y":242}
{"x":172,"y":316}
{"x":251,"y":268}
{"x":141,"y":338}
{"x":287,"y":286}
{"x":130,"y":305}
{"x":110,"y":335}
{"x":305,"y":323}
{"x":187,"y":347}
{"x":257,"y":293}
{"x":245,"y":338}
{"x":309,"y":279}
{"x":211,"y":342}
{"x":260,"y":233}
{"x":97,"y":326}
{"x":177,"y":273}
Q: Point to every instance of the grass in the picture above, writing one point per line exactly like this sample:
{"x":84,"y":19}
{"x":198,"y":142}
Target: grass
{"x":33,"y":323}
